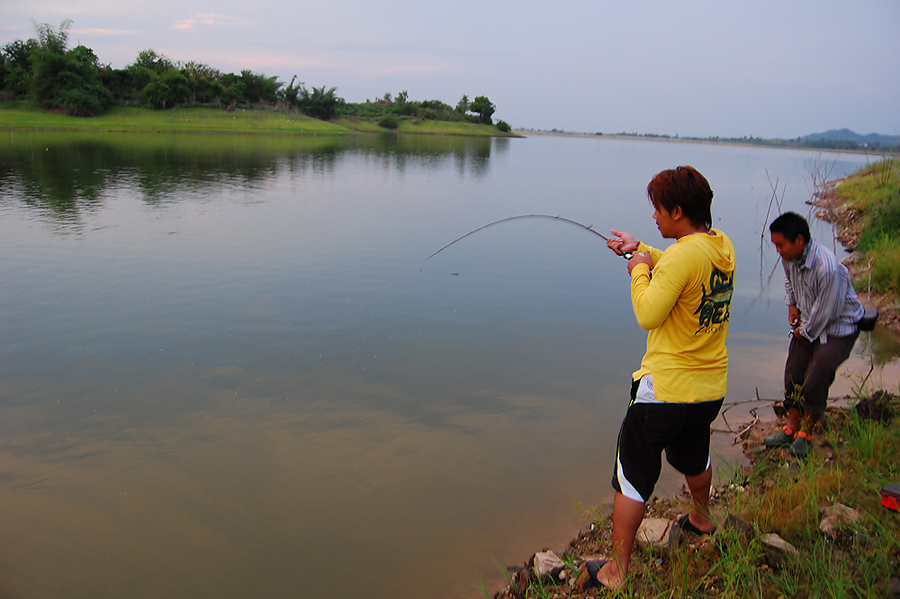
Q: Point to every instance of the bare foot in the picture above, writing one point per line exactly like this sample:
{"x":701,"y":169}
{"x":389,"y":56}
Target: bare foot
{"x":689,"y":523}
{"x":610,"y":576}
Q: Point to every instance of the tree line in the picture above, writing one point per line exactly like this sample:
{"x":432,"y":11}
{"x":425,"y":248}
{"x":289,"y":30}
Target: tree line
{"x":44,"y":70}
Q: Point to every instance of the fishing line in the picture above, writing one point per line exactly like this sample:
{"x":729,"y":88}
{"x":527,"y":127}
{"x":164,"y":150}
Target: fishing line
{"x":590,"y":228}
{"x":242,"y":389}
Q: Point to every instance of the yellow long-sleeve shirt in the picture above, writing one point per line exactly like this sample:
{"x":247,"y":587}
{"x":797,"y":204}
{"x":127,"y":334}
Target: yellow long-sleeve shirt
{"x":685,"y":305}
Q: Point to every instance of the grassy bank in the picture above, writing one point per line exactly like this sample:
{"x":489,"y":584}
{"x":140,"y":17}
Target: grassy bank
{"x":874,"y":193}
{"x":777,"y":494}
{"x":211,"y":120}
{"x":865,"y":207}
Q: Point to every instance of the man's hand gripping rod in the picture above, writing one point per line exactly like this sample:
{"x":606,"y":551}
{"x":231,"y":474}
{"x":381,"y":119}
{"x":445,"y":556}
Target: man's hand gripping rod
{"x":626,"y":255}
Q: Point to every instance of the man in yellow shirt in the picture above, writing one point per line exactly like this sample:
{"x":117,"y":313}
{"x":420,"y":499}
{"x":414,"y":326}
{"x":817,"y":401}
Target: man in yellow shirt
{"x":682,"y":296}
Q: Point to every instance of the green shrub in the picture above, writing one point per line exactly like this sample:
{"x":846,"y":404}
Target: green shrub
{"x":504,"y":126}
{"x":319,"y":103}
{"x":88,"y":100}
{"x":389,"y":122}
{"x":167,"y":90}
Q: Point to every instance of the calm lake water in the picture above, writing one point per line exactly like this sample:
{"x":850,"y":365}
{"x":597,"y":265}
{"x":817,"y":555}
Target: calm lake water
{"x":229,"y":369}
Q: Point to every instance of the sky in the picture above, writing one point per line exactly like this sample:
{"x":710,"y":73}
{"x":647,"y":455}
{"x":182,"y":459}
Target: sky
{"x":703,"y":68}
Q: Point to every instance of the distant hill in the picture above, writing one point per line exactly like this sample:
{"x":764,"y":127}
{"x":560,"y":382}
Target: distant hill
{"x":845,"y":135}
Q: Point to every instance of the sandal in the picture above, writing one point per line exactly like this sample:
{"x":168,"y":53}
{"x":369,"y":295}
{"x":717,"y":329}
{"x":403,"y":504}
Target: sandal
{"x":783,"y":437}
{"x":800,"y":446}
{"x":588,"y":576}
{"x":685,"y":524}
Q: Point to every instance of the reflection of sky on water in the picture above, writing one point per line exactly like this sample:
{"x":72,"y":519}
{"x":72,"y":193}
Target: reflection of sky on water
{"x":260,"y":490}
{"x":228,"y":363}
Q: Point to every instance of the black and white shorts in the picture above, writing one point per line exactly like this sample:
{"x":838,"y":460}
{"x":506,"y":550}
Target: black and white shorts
{"x":651,"y":426}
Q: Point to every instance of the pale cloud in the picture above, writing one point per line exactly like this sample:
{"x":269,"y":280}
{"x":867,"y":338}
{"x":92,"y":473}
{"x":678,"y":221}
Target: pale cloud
{"x":72,"y":9}
{"x":206,"y":20}
{"x":104,"y":32}
{"x":277,"y":60}
{"x":352,"y":64}
{"x":405,"y":69}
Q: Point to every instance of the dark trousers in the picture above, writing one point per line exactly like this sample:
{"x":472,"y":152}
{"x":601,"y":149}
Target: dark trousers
{"x":810,"y":369}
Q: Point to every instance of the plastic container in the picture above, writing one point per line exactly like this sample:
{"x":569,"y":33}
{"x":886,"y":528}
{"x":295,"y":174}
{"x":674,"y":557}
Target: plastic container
{"x":890,"y":497}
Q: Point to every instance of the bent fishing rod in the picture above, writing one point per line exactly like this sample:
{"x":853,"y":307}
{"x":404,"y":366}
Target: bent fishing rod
{"x":626,"y":255}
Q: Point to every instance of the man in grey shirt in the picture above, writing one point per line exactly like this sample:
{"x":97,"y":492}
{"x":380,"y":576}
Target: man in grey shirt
{"x":823,"y":311}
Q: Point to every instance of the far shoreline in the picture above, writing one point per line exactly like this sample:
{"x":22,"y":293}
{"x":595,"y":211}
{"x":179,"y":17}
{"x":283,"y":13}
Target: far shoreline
{"x":272,"y":121}
{"x":698,"y":140}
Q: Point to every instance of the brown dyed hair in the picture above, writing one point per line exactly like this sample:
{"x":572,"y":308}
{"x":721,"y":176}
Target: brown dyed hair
{"x":686,"y":188}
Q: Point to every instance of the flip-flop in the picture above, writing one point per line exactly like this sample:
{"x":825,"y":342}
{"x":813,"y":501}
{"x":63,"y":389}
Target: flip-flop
{"x":684,"y":523}
{"x":593,"y":567}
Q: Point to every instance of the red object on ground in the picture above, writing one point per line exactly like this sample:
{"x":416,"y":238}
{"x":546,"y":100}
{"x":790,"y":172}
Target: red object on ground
{"x":890,"y":497}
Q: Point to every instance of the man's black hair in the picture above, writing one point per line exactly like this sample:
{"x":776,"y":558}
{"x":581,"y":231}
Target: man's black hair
{"x":791,"y":225}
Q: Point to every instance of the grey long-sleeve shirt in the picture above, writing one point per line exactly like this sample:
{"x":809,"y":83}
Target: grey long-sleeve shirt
{"x":819,"y":285}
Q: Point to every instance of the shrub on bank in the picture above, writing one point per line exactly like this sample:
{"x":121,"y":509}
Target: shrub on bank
{"x":388,"y":122}
{"x":875,"y":191}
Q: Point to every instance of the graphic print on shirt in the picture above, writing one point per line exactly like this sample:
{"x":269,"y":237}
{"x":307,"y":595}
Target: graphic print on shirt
{"x":715,"y":306}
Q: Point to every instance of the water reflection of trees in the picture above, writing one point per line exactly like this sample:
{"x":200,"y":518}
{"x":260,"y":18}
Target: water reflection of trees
{"x":57,"y":180}
{"x":63,"y":177}
{"x":470,"y":154}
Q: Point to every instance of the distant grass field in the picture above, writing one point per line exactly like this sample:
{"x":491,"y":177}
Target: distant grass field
{"x":212,"y":120}
{"x":207,"y":120}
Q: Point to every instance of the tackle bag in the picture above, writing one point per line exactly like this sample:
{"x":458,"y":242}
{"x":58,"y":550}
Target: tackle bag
{"x":870,"y":317}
